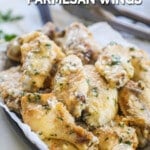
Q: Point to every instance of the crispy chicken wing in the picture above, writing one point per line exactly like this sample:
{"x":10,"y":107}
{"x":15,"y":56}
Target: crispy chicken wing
{"x":10,"y":87}
{"x":134,"y":103}
{"x":51,"y":120}
{"x":102,"y":101}
{"x":14,"y":47}
{"x":38,"y":56}
{"x":114,"y":64}
{"x":141,"y":63}
{"x":70,"y":85}
{"x":77,"y":40}
{"x":117,"y":136}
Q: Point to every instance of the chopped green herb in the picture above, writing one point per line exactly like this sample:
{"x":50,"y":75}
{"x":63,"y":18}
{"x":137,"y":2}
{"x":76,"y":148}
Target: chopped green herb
{"x":53,"y":134}
{"x":48,"y":45}
{"x":142,"y":109}
{"x":112,"y":43}
{"x":115,"y":60}
{"x":120,"y":140}
{"x":47,"y":107}
{"x":36,"y":72}
{"x":127,"y":142}
{"x":60,"y":118}
{"x":8,"y":17}
{"x":121,"y":124}
{"x":95,"y":91}
{"x":144,"y":69}
{"x":33,"y":82}
{"x":35,"y":98}
{"x":132,"y":49}
{"x":22,"y":94}
{"x":128,"y":60}
{"x":71,"y":132}
{"x":40,"y":133}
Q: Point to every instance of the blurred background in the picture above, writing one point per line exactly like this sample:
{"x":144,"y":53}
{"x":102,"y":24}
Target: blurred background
{"x":123,"y":15}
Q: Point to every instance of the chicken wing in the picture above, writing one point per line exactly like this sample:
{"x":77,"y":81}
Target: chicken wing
{"x":51,"y":120}
{"x":11,"y":88}
{"x":77,"y":40}
{"x":134,"y":103}
{"x":14,"y":47}
{"x":38,"y":56}
{"x":70,"y":85}
{"x":117,"y":136}
{"x":102,"y":101}
{"x":141,"y":63}
{"x":114,"y":64}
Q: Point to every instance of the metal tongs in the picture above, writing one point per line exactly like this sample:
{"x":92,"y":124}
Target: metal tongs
{"x":107,"y":13}
{"x":110,"y":13}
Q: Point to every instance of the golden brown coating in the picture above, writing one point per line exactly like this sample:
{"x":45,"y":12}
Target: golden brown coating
{"x":114,"y":64}
{"x":77,"y":40}
{"x":117,"y":136}
{"x":38,"y":55}
{"x":134,"y":103}
{"x":102,"y":101}
{"x":70,"y":85}
{"x":80,"y":113}
{"x":10,"y":87}
{"x":141,"y":63}
{"x":54,"y":144}
{"x":51,"y":120}
{"x":143,"y":135}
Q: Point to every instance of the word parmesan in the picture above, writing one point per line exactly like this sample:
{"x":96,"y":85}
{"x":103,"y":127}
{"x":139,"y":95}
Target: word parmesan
{"x":52,"y":2}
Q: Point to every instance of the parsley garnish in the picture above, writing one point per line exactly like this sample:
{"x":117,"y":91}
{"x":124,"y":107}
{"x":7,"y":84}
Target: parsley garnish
{"x":95,"y":91}
{"x":115,"y":60}
{"x":132,"y":49}
{"x":8,"y":17}
{"x":60,"y":118}
{"x":127,"y":142}
{"x":7,"y":37}
{"x":48,"y":45}
{"x":34,"y":98}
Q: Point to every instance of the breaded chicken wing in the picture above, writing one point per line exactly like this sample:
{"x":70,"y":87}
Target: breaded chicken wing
{"x":141,"y":62}
{"x":117,"y":136}
{"x":11,"y":88}
{"x":38,"y":56}
{"x":70,"y":85}
{"x":102,"y":101}
{"x":114,"y":64}
{"x":51,"y":120}
{"x":77,"y":40}
{"x":134,"y":103}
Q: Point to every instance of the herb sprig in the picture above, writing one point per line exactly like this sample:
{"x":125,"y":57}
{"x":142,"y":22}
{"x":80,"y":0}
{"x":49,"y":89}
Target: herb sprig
{"x":7,"y":37}
{"x":8,"y":17}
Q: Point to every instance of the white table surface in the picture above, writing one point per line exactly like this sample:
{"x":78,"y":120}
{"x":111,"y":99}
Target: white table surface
{"x":8,"y":137}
